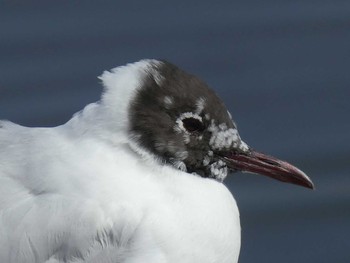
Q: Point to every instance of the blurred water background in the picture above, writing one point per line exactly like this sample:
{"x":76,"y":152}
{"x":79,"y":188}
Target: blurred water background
{"x":282,"y":67}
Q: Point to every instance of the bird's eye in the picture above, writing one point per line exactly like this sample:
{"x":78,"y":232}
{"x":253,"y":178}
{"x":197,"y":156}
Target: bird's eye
{"x":193,"y":125}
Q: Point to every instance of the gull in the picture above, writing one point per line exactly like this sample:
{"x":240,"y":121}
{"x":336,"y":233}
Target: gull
{"x":135,"y":177}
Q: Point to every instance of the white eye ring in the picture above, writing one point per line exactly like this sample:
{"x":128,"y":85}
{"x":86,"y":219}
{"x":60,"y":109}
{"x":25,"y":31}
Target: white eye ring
{"x":188,"y":115}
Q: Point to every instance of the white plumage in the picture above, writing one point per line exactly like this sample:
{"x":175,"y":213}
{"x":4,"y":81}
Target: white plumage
{"x":85,"y":192}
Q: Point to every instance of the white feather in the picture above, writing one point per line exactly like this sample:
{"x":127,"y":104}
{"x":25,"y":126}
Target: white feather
{"x":81,"y":193}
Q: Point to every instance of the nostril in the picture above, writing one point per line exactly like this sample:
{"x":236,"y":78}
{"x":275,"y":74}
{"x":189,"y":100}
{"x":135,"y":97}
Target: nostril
{"x":271,"y":162}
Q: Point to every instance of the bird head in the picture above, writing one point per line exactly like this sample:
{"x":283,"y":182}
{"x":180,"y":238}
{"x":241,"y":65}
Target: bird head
{"x":177,"y":118}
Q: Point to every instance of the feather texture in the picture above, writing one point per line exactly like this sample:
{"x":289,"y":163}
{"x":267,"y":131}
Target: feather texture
{"x":81,"y":193}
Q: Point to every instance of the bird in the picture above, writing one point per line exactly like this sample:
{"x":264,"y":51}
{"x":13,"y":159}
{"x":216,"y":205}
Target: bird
{"x":134,"y":177}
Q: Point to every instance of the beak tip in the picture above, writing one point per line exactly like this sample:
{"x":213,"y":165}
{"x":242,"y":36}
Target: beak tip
{"x":305,"y":180}
{"x":310,"y":185}
{"x":300,"y":178}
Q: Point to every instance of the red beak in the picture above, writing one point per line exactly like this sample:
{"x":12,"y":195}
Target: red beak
{"x":259,"y":163}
